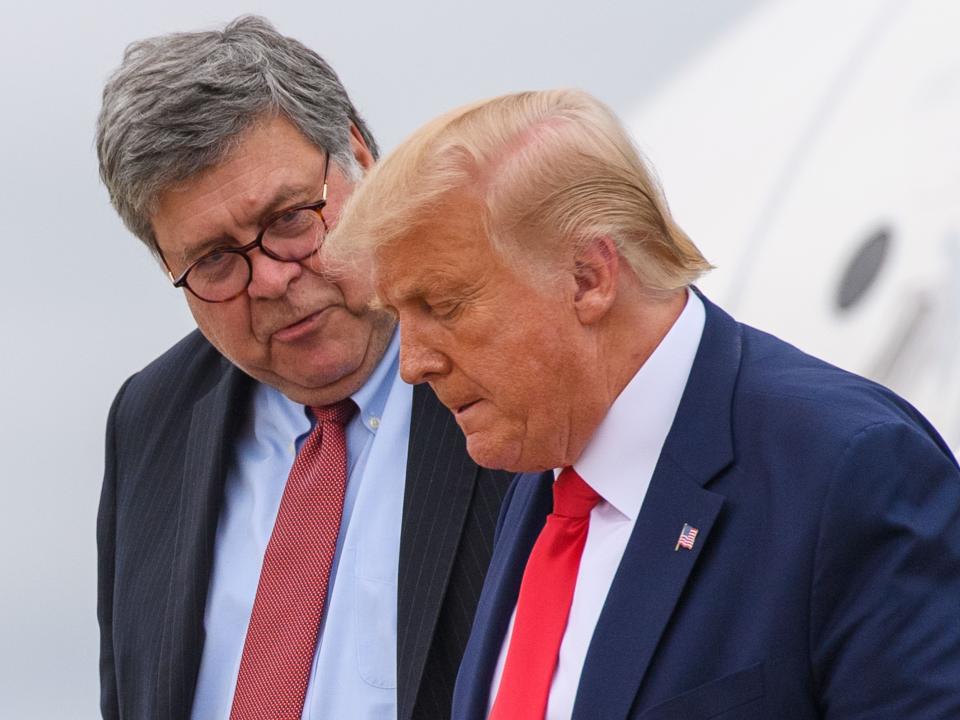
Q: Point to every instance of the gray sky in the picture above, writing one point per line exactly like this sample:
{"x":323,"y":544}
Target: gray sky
{"x":83,"y":305}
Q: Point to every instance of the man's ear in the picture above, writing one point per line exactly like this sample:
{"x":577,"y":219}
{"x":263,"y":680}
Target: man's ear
{"x":596,"y":270}
{"x":360,"y":150}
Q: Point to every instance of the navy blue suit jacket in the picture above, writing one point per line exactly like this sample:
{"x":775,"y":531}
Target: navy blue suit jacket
{"x":825,"y":578}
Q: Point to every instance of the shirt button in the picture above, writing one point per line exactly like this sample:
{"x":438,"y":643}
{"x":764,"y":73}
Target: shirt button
{"x":374,"y":423}
{"x":292,"y":448}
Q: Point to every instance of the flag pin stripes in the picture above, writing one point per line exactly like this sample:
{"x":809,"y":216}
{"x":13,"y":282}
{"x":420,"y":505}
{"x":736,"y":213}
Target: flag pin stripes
{"x":687,"y":537}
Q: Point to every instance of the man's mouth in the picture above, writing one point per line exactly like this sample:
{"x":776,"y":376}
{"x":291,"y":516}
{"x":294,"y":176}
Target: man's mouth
{"x":298,"y":329}
{"x":466,"y":406}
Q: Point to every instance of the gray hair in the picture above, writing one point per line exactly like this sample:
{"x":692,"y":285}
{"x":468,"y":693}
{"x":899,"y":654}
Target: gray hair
{"x":178,"y":104}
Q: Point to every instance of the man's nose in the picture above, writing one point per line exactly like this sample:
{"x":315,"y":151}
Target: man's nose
{"x":420,"y":360}
{"x":270,"y":278}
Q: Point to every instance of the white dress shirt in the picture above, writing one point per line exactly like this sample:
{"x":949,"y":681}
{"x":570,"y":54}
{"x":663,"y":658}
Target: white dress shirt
{"x":618,"y":464}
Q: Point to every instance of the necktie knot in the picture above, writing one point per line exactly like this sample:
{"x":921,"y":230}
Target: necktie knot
{"x":572,"y":497}
{"x":338,"y":413}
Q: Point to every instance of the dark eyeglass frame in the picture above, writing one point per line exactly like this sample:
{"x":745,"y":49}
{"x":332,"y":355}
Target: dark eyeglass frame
{"x":181,"y":280}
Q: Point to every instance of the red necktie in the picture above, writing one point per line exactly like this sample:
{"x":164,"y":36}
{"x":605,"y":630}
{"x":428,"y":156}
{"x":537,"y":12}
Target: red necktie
{"x":282,"y":635}
{"x":544,"y":602}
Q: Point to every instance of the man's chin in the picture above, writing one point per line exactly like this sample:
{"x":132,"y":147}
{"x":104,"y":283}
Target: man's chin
{"x":489,"y":452}
{"x":324,"y":385}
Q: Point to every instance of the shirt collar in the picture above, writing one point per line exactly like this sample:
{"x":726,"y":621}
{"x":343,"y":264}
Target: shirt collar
{"x":620,"y":458}
{"x":371,"y":397}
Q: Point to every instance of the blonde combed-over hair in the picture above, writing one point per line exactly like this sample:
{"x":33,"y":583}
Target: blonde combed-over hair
{"x":545,"y":167}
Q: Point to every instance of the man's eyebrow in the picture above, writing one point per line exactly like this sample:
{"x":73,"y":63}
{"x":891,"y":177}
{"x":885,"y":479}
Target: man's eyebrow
{"x":287,"y":196}
{"x":436,"y":285}
{"x":419,"y":289}
{"x":197,"y":251}
{"x":284,"y":197}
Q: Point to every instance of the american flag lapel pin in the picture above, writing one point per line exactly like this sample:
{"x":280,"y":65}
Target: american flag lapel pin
{"x":688,"y":536}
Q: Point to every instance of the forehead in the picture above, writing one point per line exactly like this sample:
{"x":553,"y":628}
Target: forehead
{"x":445,"y":248}
{"x":271,"y":163}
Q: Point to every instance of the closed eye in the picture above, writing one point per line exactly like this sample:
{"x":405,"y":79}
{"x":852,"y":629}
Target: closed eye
{"x":445,"y":310}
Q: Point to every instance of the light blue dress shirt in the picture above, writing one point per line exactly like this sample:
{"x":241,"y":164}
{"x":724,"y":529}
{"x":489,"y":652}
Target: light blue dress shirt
{"x":354,"y":668}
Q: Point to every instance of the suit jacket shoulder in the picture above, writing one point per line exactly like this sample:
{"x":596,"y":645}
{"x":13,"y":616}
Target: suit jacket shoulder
{"x":174,"y":379}
{"x":156,"y":524}
{"x":782,"y":385}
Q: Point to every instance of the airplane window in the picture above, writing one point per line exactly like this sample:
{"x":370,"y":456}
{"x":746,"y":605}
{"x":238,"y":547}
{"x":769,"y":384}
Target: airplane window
{"x":863,"y":268}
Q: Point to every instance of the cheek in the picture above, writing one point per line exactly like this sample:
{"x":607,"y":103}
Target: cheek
{"x":539,"y":365}
{"x":538,"y":387}
{"x":227,"y":327}
{"x":521,"y":369}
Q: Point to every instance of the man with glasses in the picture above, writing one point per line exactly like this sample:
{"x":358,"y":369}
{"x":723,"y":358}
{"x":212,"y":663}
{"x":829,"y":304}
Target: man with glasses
{"x":286,"y":529}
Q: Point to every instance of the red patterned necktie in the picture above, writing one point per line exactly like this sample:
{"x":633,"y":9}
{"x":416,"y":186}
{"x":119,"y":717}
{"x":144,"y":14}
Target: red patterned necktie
{"x":544,"y":602}
{"x":282,"y":635}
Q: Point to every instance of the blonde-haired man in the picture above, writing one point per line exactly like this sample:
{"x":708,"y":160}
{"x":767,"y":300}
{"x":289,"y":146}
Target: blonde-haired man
{"x":712,"y":524}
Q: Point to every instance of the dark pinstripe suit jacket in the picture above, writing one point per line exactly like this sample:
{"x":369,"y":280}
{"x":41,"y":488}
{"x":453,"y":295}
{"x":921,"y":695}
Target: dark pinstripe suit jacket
{"x":168,"y":445}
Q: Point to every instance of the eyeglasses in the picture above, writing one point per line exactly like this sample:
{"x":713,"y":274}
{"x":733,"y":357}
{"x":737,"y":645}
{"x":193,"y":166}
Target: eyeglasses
{"x":292,"y":235}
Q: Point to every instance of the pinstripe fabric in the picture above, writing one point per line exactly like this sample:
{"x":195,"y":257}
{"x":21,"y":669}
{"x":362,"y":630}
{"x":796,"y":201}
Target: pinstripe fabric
{"x":157,"y":524}
{"x":167,"y":448}
{"x":444,"y":552}
{"x":463,"y":590}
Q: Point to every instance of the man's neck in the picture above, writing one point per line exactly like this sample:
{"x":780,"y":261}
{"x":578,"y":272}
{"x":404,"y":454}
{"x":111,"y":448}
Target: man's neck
{"x":638,"y":324}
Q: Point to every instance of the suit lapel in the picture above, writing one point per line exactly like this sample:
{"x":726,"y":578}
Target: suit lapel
{"x":644,"y":593}
{"x":214,"y":420}
{"x":528,"y":504}
{"x":439,"y":486}
{"x":652,"y":575}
